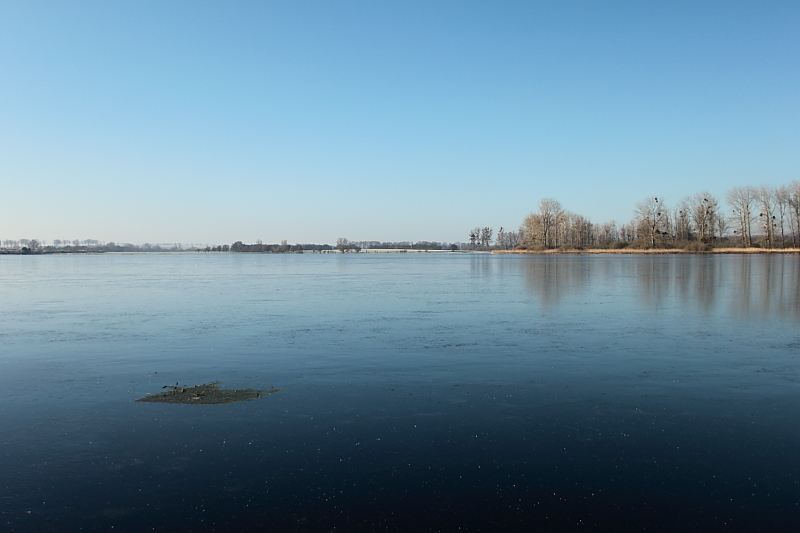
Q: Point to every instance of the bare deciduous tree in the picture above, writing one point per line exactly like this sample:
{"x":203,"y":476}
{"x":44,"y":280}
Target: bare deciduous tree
{"x":474,"y":236}
{"x":507,"y":239}
{"x":501,"y":238}
{"x":650,"y":216}
{"x":765,"y":197}
{"x":722,"y":225}
{"x":512,"y":239}
{"x":550,"y":211}
{"x":532,"y":230}
{"x":486,"y":236}
{"x":607,"y":232}
{"x":681,"y":222}
{"x":703,"y":208}
{"x":741,"y":200}
{"x":794,"y":204}
{"x":783,"y":203}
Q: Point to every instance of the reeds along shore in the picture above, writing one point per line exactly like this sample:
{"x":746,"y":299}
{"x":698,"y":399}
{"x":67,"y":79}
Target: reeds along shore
{"x":651,"y":251}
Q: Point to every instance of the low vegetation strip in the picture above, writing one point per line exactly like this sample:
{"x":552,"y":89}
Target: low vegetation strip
{"x":208,"y":393}
{"x":651,"y":251}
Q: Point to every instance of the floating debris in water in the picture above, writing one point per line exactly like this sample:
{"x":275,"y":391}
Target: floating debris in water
{"x":209,"y":393}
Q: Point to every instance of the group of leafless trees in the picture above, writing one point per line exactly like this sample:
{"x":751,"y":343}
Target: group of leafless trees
{"x":344,"y":245}
{"x":28,"y":244}
{"x":697,"y":219}
{"x":36,"y":245}
{"x":24,"y":246}
{"x":481,"y":237}
{"x":59,"y":246}
{"x":507,"y":239}
{"x":778,"y":211}
{"x":404,"y":245}
{"x":764,"y":216}
{"x":553,"y":226}
{"x":260,"y":248}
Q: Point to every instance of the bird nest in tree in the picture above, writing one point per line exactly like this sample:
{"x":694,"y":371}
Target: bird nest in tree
{"x":209,"y":393}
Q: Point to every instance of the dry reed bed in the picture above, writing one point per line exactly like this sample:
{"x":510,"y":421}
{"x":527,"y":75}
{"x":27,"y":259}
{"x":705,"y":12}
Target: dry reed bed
{"x":652,"y":251}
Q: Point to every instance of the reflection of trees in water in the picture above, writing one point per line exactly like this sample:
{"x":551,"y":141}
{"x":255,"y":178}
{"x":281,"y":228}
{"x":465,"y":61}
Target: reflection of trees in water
{"x":654,"y":278}
{"x":744,"y":286}
{"x":749,"y":286}
{"x":691,"y":280}
{"x":765,"y":286}
{"x":551,"y":278}
{"x":481,"y":264}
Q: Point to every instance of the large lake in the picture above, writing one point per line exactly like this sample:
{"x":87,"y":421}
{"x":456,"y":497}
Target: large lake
{"x":419,"y":392}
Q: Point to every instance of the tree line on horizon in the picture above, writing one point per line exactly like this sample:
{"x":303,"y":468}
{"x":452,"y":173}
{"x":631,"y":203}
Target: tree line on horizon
{"x":762,"y":217}
{"x":34,"y":246}
{"x":342,"y":245}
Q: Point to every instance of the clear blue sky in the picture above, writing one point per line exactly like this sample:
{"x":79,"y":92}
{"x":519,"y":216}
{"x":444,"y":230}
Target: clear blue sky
{"x":210,"y":122}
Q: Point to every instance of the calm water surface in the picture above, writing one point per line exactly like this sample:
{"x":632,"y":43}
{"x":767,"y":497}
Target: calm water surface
{"x":424,"y":392}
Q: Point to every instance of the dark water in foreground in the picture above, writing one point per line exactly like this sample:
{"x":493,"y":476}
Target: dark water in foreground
{"x":419,"y":393}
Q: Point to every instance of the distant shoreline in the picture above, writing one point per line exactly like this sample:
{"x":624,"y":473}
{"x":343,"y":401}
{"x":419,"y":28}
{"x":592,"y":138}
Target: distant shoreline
{"x":203,"y":252}
{"x":555,"y":251}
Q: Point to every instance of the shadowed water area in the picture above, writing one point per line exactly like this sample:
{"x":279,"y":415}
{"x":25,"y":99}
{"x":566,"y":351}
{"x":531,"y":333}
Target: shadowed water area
{"x":424,"y":392}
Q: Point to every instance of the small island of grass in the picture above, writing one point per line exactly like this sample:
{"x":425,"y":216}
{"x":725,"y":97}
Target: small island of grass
{"x":208,"y":393}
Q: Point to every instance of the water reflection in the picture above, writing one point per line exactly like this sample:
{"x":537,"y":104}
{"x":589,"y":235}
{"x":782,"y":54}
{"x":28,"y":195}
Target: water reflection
{"x":552,"y":279}
{"x":481,"y":265}
{"x":766,"y":286}
{"x":419,"y":391}
{"x":741,"y":286}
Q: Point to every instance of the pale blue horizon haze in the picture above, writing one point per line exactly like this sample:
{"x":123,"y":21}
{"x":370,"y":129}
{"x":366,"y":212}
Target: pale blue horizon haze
{"x":210,"y":122}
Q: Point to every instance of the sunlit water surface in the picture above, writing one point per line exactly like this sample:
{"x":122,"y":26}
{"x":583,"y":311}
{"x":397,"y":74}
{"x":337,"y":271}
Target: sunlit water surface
{"x":441,"y":392}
